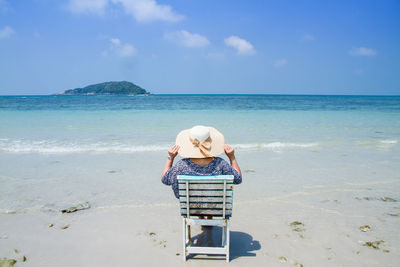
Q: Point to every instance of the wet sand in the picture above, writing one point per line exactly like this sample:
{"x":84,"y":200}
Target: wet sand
{"x":280,"y":231}
{"x":294,"y":208}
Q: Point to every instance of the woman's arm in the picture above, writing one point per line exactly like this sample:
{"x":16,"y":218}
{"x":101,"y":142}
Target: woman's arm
{"x":230,"y":152}
{"x":172,"y":152}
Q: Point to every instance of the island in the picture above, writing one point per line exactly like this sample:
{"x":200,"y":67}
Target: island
{"x":108,"y":88}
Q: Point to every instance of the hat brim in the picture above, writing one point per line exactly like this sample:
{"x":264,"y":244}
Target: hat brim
{"x":188,"y":150}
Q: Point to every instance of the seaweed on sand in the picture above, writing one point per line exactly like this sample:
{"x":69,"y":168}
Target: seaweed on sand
{"x":374,"y":244}
{"x":81,"y":206}
{"x":4,"y":262}
{"x":297,"y":226}
{"x":365,"y":228}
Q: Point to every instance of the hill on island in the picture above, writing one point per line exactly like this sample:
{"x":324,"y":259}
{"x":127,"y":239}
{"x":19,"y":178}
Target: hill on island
{"x":108,"y":88}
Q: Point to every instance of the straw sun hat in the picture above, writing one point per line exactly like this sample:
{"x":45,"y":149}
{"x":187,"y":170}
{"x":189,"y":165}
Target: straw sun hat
{"x":200,"y":142}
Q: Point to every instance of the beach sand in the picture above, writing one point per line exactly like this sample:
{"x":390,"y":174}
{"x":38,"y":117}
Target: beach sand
{"x":150,"y":235}
{"x":274,"y":223}
{"x":282,"y":215}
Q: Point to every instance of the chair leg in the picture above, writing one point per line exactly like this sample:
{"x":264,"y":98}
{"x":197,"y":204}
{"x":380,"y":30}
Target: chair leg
{"x":189,"y":235}
{"x":223,"y":236}
{"x":227,"y":241}
{"x":184,"y":239}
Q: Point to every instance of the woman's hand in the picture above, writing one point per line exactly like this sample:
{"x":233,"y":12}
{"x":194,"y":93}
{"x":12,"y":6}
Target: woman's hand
{"x":173,"y":151}
{"x":229,"y":151}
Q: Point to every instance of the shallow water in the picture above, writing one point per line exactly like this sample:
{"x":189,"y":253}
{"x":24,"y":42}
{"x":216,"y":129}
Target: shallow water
{"x":109,"y":150}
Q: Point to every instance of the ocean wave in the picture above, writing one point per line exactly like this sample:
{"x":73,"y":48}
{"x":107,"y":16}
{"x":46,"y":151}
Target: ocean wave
{"x":62,"y":147}
{"x":378,"y":144}
{"x":389,"y":141}
{"x":274,"y":146}
{"x":54,"y":147}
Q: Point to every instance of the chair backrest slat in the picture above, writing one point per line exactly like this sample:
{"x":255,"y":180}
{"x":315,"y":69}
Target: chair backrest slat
{"x":187,"y":199}
{"x":206,"y":195}
{"x":208,"y":199}
{"x":224,"y":202}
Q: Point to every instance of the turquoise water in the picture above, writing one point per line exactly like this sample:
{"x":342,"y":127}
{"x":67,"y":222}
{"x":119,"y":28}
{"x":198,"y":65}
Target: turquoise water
{"x":122,"y":124}
{"x":109,"y":150}
{"x":201,"y":102}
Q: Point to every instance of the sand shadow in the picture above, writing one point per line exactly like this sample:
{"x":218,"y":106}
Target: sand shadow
{"x":241,"y":245}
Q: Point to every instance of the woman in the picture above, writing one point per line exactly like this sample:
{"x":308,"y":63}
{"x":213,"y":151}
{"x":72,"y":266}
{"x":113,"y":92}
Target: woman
{"x":199,"y":148}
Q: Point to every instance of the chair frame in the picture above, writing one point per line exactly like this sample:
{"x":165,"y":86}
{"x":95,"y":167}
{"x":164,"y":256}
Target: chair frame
{"x":220,"y":216}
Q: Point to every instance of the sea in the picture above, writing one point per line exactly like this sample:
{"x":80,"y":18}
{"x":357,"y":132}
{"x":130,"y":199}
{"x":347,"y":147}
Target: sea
{"x":58,"y":150}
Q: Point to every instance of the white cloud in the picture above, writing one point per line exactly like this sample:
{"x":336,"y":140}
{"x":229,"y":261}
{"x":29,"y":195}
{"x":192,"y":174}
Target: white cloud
{"x":88,"y":6}
{"x":242,"y":46}
{"x":308,"y":37}
{"x":6,"y":32}
{"x":149,"y":10}
{"x":187,"y":39}
{"x":280,"y":63}
{"x":362,"y":51}
{"x":121,"y":49}
{"x":141,"y":10}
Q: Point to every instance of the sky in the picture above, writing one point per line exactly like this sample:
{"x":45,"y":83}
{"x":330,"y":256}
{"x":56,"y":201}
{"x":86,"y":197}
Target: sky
{"x":207,"y":46}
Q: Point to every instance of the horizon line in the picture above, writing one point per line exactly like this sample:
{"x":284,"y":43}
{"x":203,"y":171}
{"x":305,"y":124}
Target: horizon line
{"x":216,"y":94}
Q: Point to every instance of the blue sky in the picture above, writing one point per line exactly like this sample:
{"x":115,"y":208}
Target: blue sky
{"x":208,"y":46}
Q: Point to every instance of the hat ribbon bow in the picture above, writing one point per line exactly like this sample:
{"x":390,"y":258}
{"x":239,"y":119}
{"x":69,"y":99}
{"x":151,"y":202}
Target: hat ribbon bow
{"x":204,"y":146}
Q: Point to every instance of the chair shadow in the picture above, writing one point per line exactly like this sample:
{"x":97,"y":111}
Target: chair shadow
{"x":241,"y":244}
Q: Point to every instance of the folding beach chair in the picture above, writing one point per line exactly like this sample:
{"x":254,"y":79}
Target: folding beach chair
{"x":201,"y":196}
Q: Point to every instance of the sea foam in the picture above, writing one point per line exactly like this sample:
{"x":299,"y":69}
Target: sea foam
{"x":59,"y":147}
{"x":275,"y":146}
{"x":389,"y":141}
{"x":63,"y":147}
